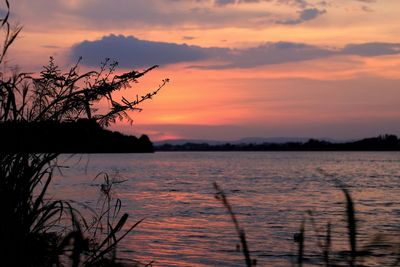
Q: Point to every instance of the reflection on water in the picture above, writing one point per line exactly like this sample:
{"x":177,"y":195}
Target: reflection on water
{"x":270,"y":192}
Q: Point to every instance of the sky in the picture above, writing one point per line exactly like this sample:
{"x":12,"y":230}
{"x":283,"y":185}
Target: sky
{"x":237,"y":68}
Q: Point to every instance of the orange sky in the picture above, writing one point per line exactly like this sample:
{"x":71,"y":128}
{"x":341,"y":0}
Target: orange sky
{"x":294,"y":68}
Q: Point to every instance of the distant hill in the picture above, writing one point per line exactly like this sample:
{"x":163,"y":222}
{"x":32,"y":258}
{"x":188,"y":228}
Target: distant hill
{"x":380,"y":143}
{"x":82,"y":136}
{"x":278,"y":140}
{"x":246,"y":140}
{"x":185,"y":141}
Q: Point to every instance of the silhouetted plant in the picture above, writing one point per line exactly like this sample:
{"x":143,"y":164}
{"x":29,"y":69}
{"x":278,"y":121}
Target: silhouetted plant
{"x":34,"y":230}
{"x":57,"y":96}
{"x":220,"y":195}
{"x":378,"y":250}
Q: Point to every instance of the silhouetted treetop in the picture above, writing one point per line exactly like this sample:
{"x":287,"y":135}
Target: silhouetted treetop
{"x":380,"y":143}
{"x":50,"y":102}
{"x":58,"y":96}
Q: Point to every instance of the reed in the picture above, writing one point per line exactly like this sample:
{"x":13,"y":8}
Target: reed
{"x":300,"y":240}
{"x":378,"y":251}
{"x":36,"y":231}
{"x":220,"y":195}
{"x":351,"y":226}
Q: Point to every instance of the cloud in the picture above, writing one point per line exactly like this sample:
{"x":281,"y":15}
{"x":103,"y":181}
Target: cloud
{"x":271,"y":53}
{"x":285,"y":52}
{"x":134,"y":14}
{"x":299,"y":3}
{"x":372,"y":49}
{"x":224,"y":2}
{"x":130,"y":14}
{"x":132,"y":52}
{"x":304,"y":15}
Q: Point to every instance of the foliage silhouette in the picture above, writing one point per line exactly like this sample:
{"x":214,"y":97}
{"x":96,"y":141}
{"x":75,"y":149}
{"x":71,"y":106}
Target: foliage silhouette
{"x":35,"y":230}
{"x":81,"y":136}
{"x":66,"y":97}
{"x":380,"y":143}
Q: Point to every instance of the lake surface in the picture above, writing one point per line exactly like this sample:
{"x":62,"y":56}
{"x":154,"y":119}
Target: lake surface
{"x":270,"y":192}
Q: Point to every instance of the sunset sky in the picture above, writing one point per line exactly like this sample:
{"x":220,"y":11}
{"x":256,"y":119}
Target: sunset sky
{"x":238,"y":68}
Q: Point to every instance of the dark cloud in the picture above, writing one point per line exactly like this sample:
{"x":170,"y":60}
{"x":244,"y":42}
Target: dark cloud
{"x":310,"y":13}
{"x":130,"y":14}
{"x":298,"y":3}
{"x":132,"y":52}
{"x":224,"y":2}
{"x":122,"y":14}
{"x":271,"y":53}
{"x":304,"y":15}
{"x":284,"y":52}
{"x":372,"y":49}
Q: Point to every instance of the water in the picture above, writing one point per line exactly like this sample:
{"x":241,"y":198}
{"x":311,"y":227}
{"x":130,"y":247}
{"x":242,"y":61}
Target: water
{"x":270,"y":192}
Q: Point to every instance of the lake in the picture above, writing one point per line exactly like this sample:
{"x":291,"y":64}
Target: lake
{"x":270,"y":192}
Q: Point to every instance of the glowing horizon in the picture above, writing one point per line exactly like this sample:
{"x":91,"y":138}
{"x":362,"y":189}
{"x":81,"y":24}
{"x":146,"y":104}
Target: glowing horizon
{"x":238,"y":69}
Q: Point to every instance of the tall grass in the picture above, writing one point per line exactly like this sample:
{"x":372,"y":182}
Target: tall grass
{"x":36,"y":231}
{"x":220,"y":195}
{"x":378,"y":251}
